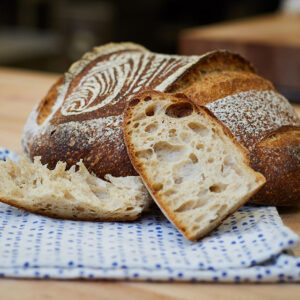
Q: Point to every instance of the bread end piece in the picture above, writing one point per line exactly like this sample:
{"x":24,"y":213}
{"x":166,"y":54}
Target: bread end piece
{"x":73,"y":194}
{"x":197,"y":173}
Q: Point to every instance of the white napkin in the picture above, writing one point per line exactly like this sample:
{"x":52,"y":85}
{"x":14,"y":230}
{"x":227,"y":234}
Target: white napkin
{"x":249,"y":246}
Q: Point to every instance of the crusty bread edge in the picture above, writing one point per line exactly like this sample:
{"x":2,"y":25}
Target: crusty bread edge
{"x":203,"y":59}
{"x":164,"y":208}
{"x":54,"y":216}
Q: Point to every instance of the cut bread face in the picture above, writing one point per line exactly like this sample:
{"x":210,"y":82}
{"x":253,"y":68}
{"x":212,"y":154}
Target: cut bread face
{"x":195,"y":170}
{"x":71,"y":194}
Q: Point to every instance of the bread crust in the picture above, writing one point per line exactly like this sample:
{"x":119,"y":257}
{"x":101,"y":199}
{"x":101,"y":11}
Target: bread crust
{"x":217,"y":85}
{"x":54,"y":216}
{"x":64,"y":129}
{"x":278,"y":157}
{"x":92,"y":130}
{"x":175,"y":98}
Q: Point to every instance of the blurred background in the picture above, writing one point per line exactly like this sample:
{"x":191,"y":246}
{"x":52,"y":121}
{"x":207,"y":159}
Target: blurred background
{"x":48,"y":35}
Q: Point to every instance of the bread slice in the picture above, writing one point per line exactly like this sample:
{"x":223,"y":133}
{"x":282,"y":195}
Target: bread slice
{"x":195,"y":170}
{"x":71,"y":194}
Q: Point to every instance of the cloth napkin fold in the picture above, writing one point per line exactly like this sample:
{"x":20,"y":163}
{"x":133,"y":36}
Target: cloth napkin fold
{"x":252,"y":245}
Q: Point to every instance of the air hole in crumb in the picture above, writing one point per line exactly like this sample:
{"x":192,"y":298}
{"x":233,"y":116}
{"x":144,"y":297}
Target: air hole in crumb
{"x":170,"y":192}
{"x":135,"y":125}
{"x":190,"y":205}
{"x":178,"y":180}
{"x":198,"y":128}
{"x":208,"y":149}
{"x":134,"y":102}
{"x":223,"y":207}
{"x":230,"y":163}
{"x":168,"y":152}
{"x":187,"y":170}
{"x":199,"y":219}
{"x":150,"y":111}
{"x":179,"y":110}
{"x":202,"y":193}
{"x":157,"y":187}
{"x":199,"y":146}
{"x":151,"y":127}
{"x":185,"y":137}
{"x":129,"y":208}
{"x":210,"y":160}
{"x":148,"y":98}
{"x":193,"y":158}
{"x":218,"y":188}
{"x":138,"y":117}
{"x":172,"y":132}
{"x":52,"y":132}
{"x":144,"y":154}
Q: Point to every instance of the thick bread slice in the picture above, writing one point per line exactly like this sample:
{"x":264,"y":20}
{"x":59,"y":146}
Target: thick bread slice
{"x":195,"y":170}
{"x":71,"y":194}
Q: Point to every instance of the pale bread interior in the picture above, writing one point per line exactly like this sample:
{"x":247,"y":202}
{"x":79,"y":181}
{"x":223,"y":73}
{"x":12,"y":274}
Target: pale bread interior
{"x":197,"y":174}
{"x":71,"y":194}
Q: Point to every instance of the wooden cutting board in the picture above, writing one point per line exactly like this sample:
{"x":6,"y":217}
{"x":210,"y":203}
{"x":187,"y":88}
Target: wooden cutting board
{"x":20,"y":91}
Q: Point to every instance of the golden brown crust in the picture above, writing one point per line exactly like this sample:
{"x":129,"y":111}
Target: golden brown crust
{"x":278,"y":157}
{"x":71,"y":150}
{"x":217,"y":85}
{"x":213,"y":62}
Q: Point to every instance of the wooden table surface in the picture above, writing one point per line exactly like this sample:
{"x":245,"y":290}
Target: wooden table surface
{"x":19,"y":92}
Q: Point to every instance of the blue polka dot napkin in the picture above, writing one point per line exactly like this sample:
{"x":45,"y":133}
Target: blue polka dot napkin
{"x":252,"y":245}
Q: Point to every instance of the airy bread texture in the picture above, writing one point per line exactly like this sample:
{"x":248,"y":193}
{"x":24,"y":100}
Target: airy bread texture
{"x":71,"y":194}
{"x":191,"y":164}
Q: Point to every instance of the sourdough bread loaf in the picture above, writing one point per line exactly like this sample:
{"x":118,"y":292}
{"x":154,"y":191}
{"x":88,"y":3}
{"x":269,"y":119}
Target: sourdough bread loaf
{"x":82,"y":115}
{"x":71,"y":194}
{"x":196,"y":171}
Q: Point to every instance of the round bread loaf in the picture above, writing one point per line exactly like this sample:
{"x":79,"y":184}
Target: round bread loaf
{"x":82,"y":115}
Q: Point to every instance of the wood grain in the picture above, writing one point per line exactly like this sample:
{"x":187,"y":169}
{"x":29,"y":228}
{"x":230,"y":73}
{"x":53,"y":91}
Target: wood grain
{"x":81,"y":290}
{"x":20,"y":91}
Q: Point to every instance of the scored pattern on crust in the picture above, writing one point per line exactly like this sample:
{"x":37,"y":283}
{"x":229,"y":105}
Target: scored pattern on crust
{"x":251,"y":115}
{"x":103,"y":83}
{"x":120,"y":73}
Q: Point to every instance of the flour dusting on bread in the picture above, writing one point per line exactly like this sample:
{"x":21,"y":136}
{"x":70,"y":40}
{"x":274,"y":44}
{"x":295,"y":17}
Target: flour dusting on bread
{"x":251,"y":115}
